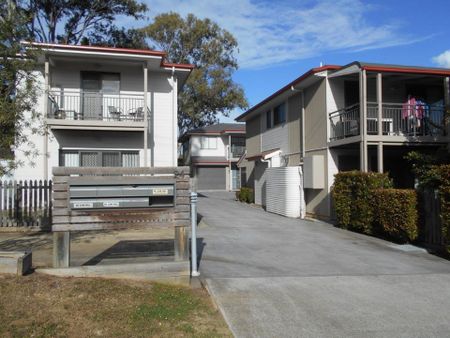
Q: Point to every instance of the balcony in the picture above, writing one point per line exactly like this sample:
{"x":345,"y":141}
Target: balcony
{"x":397,"y":119}
{"x":236,"y":151}
{"x":85,"y":108}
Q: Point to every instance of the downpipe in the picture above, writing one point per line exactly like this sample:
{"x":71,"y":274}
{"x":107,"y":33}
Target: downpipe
{"x":195,"y":272}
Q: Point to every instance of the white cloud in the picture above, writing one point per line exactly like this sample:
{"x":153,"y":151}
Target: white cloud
{"x":443,"y":59}
{"x":276,"y":32}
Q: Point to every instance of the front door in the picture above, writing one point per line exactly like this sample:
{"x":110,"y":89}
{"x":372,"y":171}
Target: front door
{"x":100,"y":95}
{"x":91,"y":99}
{"x":235,"y":179}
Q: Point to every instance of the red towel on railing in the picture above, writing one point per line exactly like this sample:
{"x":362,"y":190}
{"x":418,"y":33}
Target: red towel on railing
{"x":409,"y":107}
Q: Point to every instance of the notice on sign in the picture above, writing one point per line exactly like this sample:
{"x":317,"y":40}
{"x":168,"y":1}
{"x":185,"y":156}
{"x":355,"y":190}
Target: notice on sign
{"x":160,"y":191}
{"x":82,"y":205}
{"x":111,"y":204}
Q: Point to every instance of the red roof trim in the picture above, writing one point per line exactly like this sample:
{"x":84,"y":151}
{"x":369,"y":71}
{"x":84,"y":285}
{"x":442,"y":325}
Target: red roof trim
{"x":407,"y":70}
{"x":179,"y":65}
{"x":288,"y":86}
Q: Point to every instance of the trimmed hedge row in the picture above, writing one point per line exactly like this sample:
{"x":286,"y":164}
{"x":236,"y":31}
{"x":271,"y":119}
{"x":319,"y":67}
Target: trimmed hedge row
{"x":396,"y":213}
{"x":442,"y":172}
{"x":245,"y":195}
{"x":366,"y":202}
{"x":353,"y":198}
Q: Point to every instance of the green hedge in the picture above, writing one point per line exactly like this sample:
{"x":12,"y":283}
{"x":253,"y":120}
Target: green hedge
{"x":442,"y":172}
{"x":245,"y":195}
{"x":396,"y":214}
{"x":353,"y":195}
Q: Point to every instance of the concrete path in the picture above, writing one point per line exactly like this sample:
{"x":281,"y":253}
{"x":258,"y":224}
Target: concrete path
{"x":277,"y":277}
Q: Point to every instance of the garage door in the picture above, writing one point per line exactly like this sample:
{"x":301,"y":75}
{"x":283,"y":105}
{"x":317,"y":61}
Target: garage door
{"x":211,"y":178}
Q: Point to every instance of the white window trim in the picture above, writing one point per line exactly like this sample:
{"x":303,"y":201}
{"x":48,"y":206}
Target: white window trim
{"x":208,"y":141}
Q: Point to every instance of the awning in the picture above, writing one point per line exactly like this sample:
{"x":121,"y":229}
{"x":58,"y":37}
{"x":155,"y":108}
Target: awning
{"x":265,"y":155}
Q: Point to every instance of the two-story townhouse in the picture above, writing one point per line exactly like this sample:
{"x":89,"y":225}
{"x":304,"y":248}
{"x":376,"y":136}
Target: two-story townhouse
{"x":213,"y":152}
{"x":335,"y":118}
{"x":104,"y":107}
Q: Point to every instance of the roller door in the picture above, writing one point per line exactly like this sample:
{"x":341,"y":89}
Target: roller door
{"x":211,"y":178}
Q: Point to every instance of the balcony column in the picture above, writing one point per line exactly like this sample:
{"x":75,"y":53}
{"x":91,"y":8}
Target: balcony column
{"x":363,"y":120}
{"x":380,"y":157}
{"x":174,"y":115}
{"x":230,"y":156}
{"x":46,"y":93}
{"x":380,"y":103}
{"x":380,"y":120}
{"x":447,"y":100}
{"x":145,"y":115}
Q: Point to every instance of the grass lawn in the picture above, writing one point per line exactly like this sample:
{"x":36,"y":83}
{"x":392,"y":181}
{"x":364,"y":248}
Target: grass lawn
{"x":44,"y":306}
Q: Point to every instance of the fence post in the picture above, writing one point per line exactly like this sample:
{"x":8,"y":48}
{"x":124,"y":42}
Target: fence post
{"x":61,"y":249}
{"x":195,"y":272}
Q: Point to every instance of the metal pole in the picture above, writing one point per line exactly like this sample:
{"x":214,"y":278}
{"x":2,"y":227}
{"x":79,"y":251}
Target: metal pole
{"x":195,"y":273}
{"x":146,"y":115}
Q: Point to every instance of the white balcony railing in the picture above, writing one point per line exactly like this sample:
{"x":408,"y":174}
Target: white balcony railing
{"x":95,"y":106}
{"x":396,"y":120}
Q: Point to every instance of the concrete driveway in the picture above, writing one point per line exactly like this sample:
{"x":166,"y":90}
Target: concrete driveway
{"x":277,"y":277}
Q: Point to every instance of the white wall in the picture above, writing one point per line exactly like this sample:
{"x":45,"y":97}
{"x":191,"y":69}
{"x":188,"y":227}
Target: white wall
{"x":30,"y":154}
{"x":164,"y":120}
{"x":221,"y":150}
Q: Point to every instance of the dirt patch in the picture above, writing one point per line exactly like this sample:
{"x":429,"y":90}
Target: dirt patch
{"x":45,"y":306}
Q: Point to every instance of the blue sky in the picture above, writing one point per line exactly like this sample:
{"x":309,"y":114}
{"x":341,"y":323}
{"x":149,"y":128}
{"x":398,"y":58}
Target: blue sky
{"x":280,"y":40}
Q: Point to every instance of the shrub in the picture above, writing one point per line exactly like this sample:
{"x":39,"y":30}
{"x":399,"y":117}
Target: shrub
{"x":443,"y":174}
{"x":352,"y":193}
{"x":396,"y":213}
{"x":245,"y":195}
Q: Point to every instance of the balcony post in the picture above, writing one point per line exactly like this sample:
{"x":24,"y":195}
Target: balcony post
{"x":46,"y":93}
{"x":446,"y":101}
{"x":174,"y":114}
{"x":145,"y":115}
{"x":363,"y":120}
{"x":380,"y":157}
{"x":380,"y":103}
{"x":230,"y":156}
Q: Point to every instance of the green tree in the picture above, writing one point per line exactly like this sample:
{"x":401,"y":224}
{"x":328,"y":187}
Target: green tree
{"x":18,"y":85}
{"x":117,"y":37}
{"x":79,"y":18}
{"x":210,"y":90}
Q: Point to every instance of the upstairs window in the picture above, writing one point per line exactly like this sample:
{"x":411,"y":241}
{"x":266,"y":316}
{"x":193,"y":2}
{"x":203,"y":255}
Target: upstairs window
{"x":208,"y":142}
{"x":279,"y":114}
{"x":269,"y":119}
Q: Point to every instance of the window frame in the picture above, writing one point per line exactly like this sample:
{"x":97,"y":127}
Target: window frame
{"x":99,"y":158}
{"x":276,"y":114}
{"x":269,"y":119}
{"x":208,"y":146}
{"x":270,"y":116}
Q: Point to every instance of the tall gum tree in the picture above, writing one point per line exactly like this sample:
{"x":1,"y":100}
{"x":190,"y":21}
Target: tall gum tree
{"x":210,"y":90}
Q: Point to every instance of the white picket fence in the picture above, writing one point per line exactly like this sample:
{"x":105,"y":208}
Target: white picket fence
{"x":26,"y":203}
